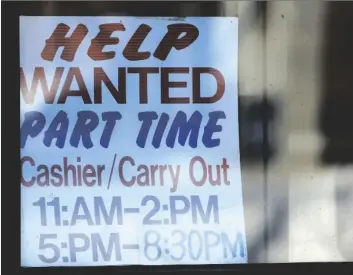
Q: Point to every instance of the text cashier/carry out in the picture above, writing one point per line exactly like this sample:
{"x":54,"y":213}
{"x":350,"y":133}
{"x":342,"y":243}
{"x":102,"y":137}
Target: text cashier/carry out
{"x":74,"y":174}
{"x":129,"y":142}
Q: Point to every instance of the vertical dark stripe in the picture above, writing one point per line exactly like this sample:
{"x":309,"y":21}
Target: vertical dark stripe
{"x":263,"y":13}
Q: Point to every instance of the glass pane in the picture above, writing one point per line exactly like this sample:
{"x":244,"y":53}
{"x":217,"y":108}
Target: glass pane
{"x":292,"y":115}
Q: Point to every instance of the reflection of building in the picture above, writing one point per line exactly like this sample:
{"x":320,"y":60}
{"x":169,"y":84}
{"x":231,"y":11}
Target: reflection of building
{"x":307,"y":63}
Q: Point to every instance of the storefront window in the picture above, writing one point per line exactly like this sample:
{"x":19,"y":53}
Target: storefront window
{"x":293,"y":106}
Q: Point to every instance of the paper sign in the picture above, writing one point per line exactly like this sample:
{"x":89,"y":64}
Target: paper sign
{"x":129,"y":142}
